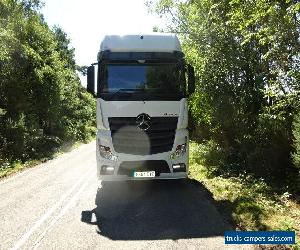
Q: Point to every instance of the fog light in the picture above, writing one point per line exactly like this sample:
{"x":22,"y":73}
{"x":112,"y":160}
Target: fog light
{"x":106,"y":153}
{"x":179,"y":151}
{"x":179,"y":167}
{"x":110,"y":169}
{"x":176,"y":166}
{"x":107,"y":170}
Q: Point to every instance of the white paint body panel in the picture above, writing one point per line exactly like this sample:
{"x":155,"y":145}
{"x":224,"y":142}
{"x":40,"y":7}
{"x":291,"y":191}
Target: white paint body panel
{"x":134,"y":108}
{"x":155,"y":42}
{"x":107,"y":109}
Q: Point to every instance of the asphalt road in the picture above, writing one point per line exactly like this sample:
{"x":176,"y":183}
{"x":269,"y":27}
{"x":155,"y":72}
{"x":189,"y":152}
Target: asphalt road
{"x":61,"y":205}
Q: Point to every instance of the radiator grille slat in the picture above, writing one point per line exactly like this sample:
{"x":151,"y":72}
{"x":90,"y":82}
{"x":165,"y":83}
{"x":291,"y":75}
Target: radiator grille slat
{"x":128,"y":138}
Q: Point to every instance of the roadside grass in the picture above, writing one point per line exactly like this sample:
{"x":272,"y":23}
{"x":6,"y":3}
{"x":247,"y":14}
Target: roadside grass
{"x":9,"y":168}
{"x":249,"y":202}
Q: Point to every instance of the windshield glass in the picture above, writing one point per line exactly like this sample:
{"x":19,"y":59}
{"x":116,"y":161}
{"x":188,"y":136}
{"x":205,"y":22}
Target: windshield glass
{"x":148,"y":78}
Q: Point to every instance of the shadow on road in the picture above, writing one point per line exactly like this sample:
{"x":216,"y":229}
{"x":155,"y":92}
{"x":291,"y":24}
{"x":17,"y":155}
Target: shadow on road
{"x":153,"y":210}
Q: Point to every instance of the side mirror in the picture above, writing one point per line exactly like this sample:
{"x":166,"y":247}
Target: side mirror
{"x":191,"y":79}
{"x":91,"y":80}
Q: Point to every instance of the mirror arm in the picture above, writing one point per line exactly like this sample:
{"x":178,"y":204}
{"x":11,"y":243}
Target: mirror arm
{"x":91,"y":80}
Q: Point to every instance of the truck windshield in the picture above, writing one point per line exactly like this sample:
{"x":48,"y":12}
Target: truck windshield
{"x":157,"y":79}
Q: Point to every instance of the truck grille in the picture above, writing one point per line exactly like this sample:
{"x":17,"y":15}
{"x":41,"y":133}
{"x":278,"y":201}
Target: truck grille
{"x":128,"y":138}
{"x":128,"y":167}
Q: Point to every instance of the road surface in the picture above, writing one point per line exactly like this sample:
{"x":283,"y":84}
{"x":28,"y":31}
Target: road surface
{"x":60,"y":204}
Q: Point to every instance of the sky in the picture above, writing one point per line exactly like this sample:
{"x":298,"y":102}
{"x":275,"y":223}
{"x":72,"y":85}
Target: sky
{"x":86,"y":22}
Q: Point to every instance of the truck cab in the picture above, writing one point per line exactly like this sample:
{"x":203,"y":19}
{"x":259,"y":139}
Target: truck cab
{"x":141,"y":83}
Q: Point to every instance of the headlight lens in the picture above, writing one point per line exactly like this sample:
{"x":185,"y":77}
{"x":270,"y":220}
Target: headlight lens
{"x":106,"y":153}
{"x":179,"y":151}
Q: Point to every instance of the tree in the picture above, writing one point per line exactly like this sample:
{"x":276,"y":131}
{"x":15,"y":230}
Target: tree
{"x":246,"y":56}
{"x":296,"y":133}
{"x":42,"y":102}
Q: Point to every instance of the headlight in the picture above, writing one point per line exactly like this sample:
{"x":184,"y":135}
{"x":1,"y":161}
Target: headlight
{"x":106,"y":153}
{"x":179,"y":151}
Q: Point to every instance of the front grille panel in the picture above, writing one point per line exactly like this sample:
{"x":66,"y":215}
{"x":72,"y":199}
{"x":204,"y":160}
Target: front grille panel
{"x":128,"y":138}
{"x":128,"y":167}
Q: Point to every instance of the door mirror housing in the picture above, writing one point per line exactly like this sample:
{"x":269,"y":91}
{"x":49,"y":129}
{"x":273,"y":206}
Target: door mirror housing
{"x":191,"y":79}
{"x":91,"y":80}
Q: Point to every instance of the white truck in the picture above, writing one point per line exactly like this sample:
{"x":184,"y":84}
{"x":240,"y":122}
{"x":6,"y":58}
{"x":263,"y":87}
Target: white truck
{"x":141,"y":83}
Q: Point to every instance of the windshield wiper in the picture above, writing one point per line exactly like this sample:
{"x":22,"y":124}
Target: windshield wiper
{"x":113,"y":94}
{"x":156,"y":93}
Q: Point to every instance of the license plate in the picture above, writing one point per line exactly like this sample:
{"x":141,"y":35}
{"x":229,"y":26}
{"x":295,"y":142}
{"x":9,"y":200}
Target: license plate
{"x":144,"y":174}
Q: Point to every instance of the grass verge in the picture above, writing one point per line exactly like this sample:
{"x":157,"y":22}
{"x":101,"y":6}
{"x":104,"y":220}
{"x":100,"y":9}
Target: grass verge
{"x":248,"y":202}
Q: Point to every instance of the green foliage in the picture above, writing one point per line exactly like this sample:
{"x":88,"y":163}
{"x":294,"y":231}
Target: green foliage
{"x":296,"y":133}
{"x":246,"y":58}
{"x":42,"y":102}
{"x":249,"y":202}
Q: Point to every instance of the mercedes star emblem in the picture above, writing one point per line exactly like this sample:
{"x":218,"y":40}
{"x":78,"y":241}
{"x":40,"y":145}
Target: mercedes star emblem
{"x":143,"y":121}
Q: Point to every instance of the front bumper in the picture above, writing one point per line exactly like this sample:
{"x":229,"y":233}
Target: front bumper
{"x":168,"y":176}
{"x":104,"y":138}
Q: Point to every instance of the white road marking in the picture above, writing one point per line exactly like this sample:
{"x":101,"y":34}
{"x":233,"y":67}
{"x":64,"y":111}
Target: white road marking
{"x":38,"y":223}
{"x":62,"y":212}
